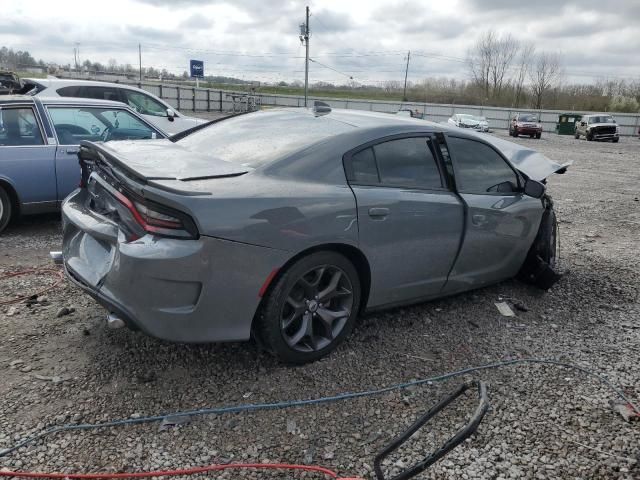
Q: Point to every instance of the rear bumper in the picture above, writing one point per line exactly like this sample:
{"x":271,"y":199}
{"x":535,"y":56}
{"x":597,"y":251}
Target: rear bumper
{"x":203,"y":290}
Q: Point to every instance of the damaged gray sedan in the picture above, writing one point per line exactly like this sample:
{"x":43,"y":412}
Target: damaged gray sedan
{"x":285,"y":225}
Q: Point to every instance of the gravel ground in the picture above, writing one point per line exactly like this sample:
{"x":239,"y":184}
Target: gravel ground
{"x":544,"y":422}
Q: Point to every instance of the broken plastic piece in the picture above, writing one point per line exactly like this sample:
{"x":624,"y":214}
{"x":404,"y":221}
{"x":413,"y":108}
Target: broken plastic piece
{"x":505,"y":309}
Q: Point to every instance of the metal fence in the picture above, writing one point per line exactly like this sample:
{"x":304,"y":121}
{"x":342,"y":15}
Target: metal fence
{"x":205,"y":99}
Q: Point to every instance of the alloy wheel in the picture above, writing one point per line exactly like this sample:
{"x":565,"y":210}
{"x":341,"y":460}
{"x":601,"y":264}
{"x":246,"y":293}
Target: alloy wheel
{"x":316,"y":308}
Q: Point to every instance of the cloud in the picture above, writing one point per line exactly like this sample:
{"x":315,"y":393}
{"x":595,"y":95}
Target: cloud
{"x":154,"y":34}
{"x":196,"y":22}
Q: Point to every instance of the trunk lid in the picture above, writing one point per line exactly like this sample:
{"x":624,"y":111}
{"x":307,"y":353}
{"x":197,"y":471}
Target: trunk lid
{"x":151,"y":160}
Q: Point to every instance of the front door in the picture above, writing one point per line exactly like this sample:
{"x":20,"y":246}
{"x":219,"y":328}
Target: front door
{"x":501,"y":221}
{"x":410,"y":224}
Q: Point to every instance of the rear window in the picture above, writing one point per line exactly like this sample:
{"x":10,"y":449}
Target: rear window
{"x":256,"y":139}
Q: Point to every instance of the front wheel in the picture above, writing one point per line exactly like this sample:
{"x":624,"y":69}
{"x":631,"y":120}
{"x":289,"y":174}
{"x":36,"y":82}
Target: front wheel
{"x":589,"y":137}
{"x":515,"y":132}
{"x":615,"y":140}
{"x":576,"y":136}
{"x":538,"y":135}
{"x":311,"y":308}
{"x":5,"y":209}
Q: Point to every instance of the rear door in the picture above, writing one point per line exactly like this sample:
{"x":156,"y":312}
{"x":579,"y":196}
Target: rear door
{"x":410,"y":223}
{"x":26,"y":160}
{"x":501,"y":222}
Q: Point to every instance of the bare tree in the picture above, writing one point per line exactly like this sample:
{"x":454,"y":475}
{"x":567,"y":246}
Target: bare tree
{"x":392,"y":85}
{"x":526,"y":57}
{"x":489,"y":61}
{"x":545,"y":73}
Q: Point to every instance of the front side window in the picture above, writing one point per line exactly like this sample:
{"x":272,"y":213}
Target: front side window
{"x":407,"y":162}
{"x":19,"y":127}
{"x":74,"y":124}
{"x":480,"y":169}
{"x":144,"y":104}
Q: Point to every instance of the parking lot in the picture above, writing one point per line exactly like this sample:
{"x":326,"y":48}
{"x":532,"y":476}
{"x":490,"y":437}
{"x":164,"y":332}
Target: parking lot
{"x":64,"y":366}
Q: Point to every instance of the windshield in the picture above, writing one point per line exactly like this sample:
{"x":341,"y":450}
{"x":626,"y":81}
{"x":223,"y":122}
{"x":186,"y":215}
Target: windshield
{"x":602,"y":119}
{"x":527,"y":118}
{"x":258,"y":138}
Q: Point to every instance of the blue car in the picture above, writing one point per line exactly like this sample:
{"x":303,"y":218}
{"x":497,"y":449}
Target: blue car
{"x":39,"y":141}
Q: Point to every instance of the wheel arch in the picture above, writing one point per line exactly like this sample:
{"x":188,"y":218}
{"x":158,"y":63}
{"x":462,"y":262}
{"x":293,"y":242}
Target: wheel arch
{"x":13,"y":197}
{"x":350,"y":252}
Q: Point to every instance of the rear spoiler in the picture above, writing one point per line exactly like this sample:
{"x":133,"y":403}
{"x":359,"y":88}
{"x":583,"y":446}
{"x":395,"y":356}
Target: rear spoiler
{"x":185,"y":133}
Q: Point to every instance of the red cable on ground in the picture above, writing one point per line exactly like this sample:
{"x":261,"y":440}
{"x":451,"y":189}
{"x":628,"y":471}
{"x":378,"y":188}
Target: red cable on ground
{"x":48,"y":271}
{"x":173,"y":473}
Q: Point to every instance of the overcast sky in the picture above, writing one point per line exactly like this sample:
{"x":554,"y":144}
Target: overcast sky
{"x":258,"y":39}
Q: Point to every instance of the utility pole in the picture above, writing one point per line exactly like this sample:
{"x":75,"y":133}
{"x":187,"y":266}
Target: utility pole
{"x":304,"y":38}
{"x":406,"y":72}
{"x":140,"y":59}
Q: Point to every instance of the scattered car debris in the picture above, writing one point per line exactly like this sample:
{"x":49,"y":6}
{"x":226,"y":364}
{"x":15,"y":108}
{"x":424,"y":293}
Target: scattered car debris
{"x":504,"y":309}
{"x":65,"y":311}
{"x":625,"y":410}
{"x":175,"y":421}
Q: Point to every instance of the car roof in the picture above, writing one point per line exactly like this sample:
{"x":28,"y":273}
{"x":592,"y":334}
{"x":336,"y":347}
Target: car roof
{"x":8,"y":99}
{"x":16,"y":99}
{"x":364,"y":119}
{"x":80,"y":101}
{"x":67,"y":82}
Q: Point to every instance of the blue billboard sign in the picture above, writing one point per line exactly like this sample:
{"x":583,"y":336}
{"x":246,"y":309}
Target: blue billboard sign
{"x":196,"y":67}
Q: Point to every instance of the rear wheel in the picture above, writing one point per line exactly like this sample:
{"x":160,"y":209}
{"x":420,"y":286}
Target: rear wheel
{"x":615,"y":140}
{"x":538,"y":135}
{"x":311,"y":309}
{"x":5,"y":209}
{"x":531,"y":135}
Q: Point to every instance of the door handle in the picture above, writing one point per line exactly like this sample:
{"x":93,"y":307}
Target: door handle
{"x":72,"y":151}
{"x":478,"y":219}
{"x":378,"y":212}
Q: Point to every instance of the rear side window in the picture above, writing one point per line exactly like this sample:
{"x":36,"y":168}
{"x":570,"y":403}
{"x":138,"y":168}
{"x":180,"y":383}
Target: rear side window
{"x":19,"y":127}
{"x":407,"y":162}
{"x":363,"y":165}
{"x":73,"y":91}
{"x":480,"y":169}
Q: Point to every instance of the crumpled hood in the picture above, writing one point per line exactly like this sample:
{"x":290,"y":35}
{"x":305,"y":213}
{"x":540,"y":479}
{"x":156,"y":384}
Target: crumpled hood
{"x":532,"y":163}
{"x":165,"y":160}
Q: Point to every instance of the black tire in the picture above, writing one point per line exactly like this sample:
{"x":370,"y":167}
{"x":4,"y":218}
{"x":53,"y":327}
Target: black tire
{"x":615,"y":140}
{"x":576,"y":136}
{"x":589,"y":137}
{"x":291,"y":286}
{"x":538,"y":135}
{"x":532,"y":135}
{"x":539,"y":268}
{"x":515,"y":132}
{"x":6,"y":209}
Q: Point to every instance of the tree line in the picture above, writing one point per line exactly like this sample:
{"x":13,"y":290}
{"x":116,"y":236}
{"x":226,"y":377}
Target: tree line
{"x":502,"y":72}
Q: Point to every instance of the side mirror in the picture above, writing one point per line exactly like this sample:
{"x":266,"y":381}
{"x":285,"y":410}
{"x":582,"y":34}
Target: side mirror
{"x":534,"y":189}
{"x":171,"y":114}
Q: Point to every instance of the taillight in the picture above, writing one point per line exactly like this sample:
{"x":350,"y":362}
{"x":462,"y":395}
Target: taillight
{"x":158,"y":219}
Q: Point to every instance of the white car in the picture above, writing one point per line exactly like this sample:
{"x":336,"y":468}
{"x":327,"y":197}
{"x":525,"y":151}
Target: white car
{"x":153,"y":109}
{"x":464,"y":120}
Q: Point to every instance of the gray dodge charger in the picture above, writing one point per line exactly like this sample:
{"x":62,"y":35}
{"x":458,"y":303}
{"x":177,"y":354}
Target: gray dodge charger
{"x":285,"y":225}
